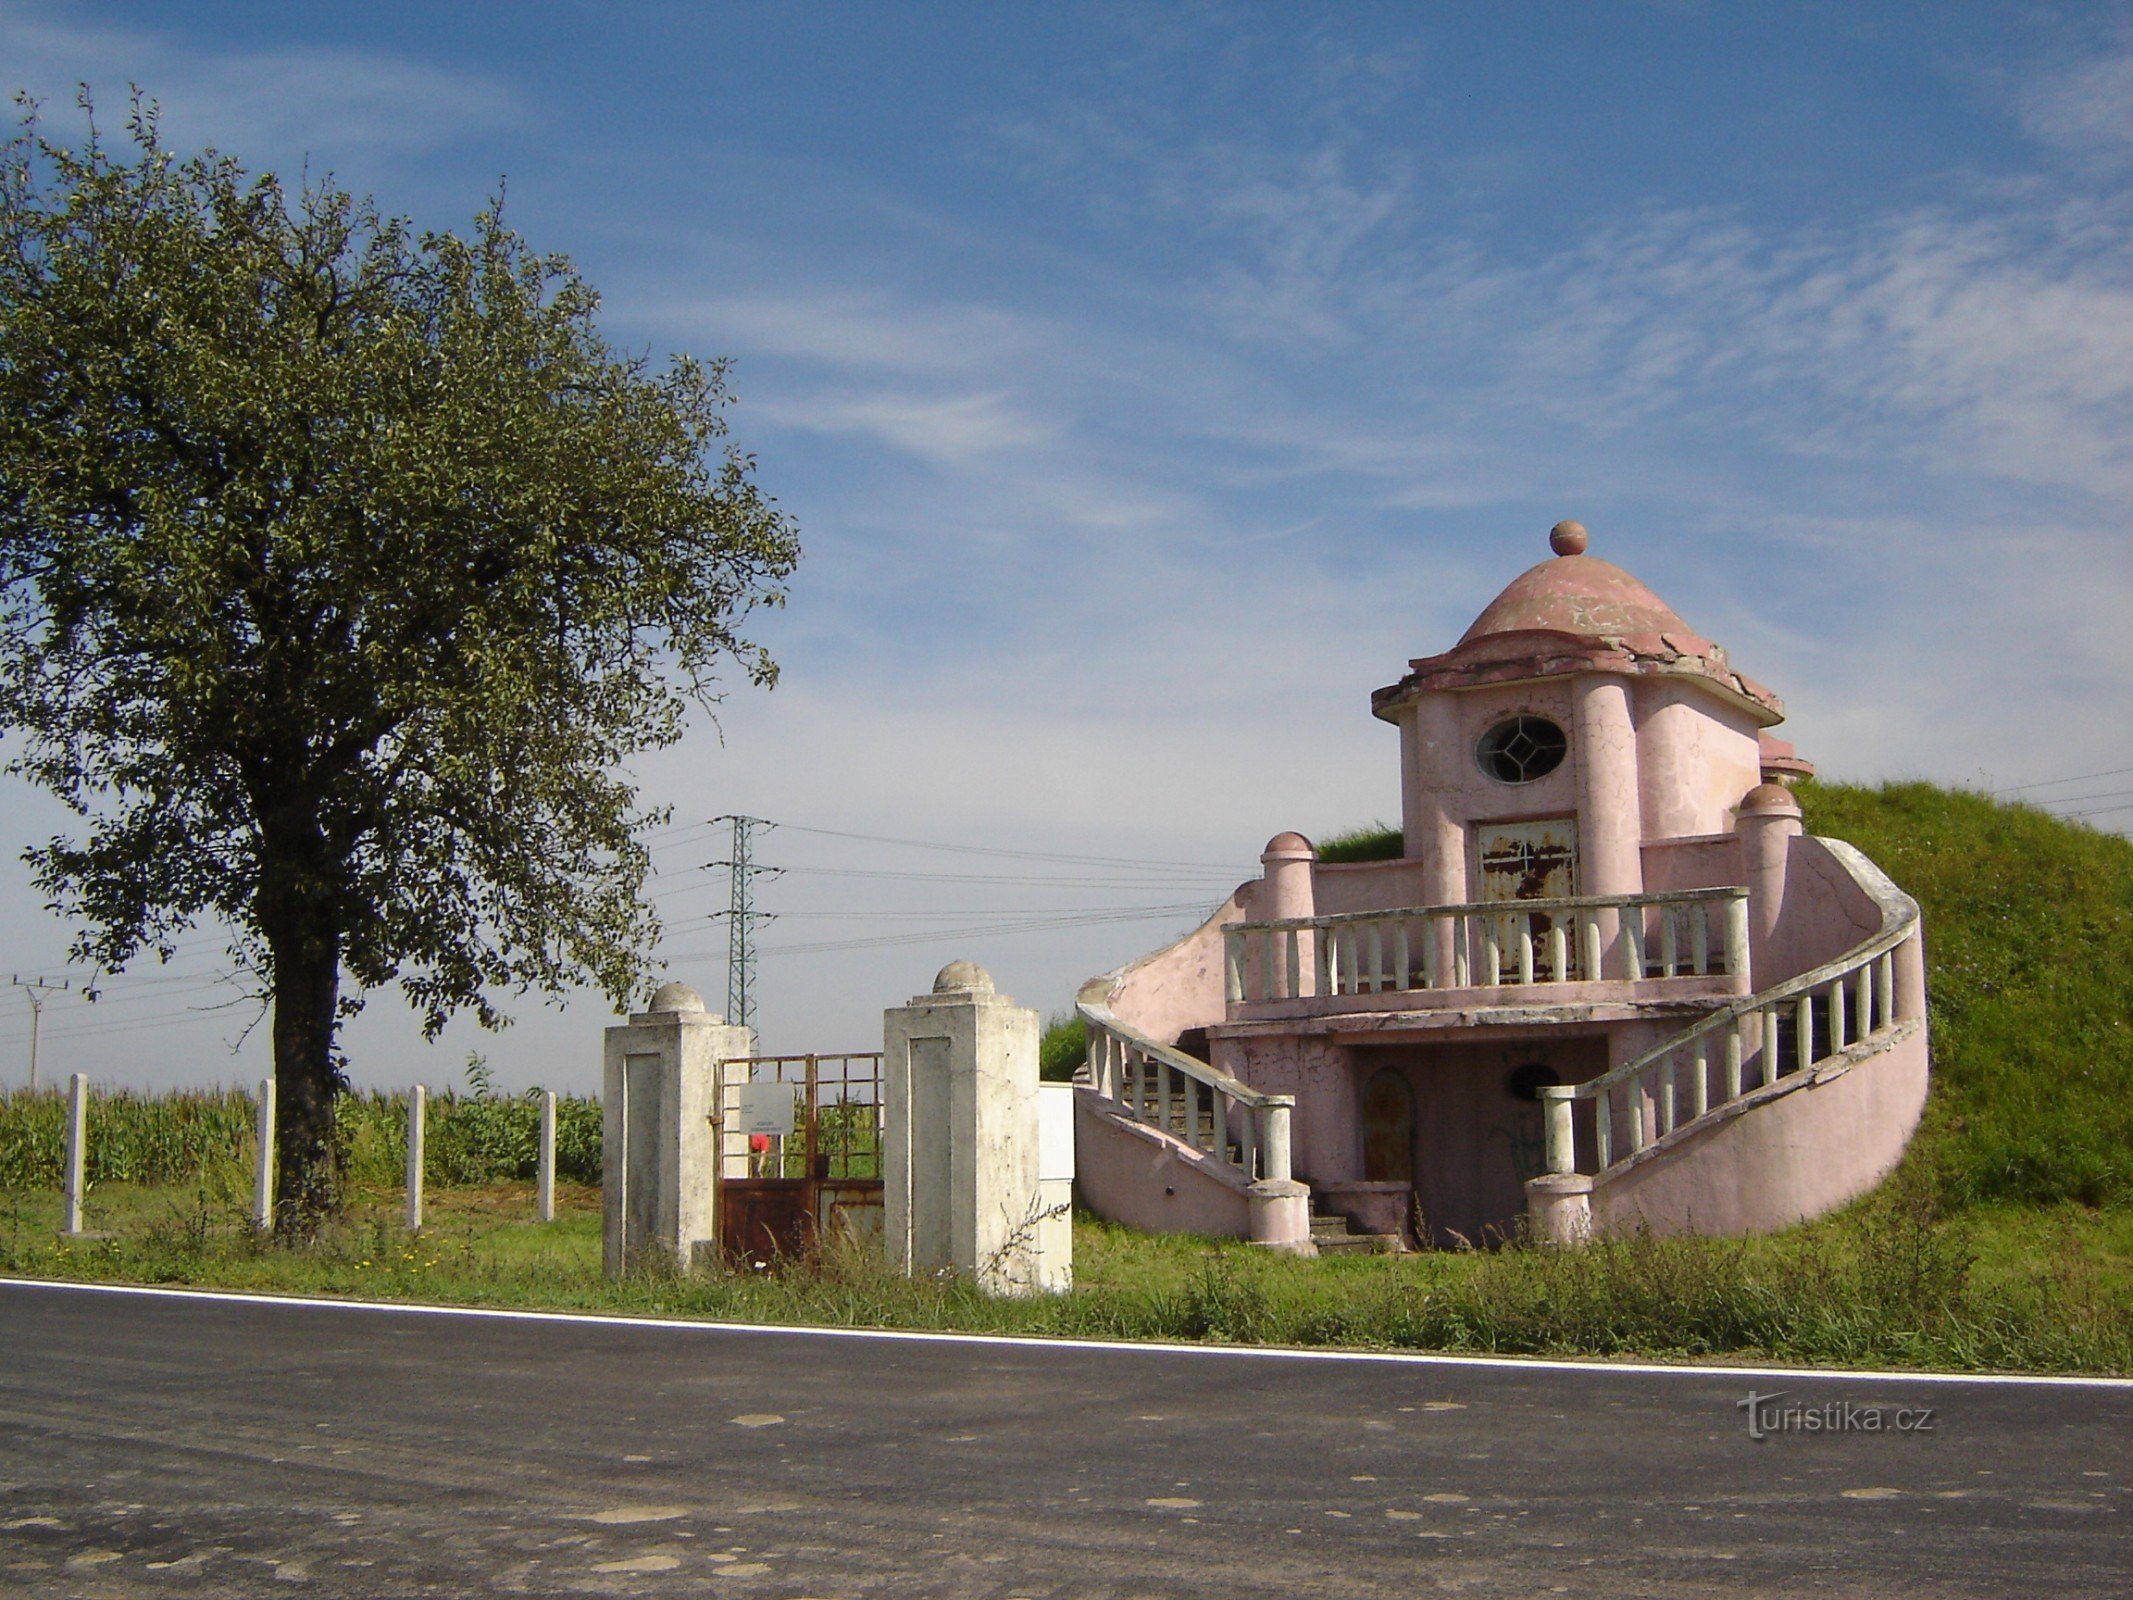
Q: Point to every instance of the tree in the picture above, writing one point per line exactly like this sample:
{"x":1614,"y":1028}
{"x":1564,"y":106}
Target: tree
{"x":342,"y":567}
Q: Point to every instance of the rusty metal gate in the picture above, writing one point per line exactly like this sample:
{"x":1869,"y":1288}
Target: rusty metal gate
{"x":799,"y":1142}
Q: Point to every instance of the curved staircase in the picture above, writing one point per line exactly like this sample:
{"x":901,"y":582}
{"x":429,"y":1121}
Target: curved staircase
{"x":1769,"y":1108}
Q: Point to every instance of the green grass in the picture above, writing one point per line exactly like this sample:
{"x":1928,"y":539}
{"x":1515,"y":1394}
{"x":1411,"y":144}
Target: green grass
{"x":2029,"y":983}
{"x":1374,"y":841}
{"x":2005,"y":1240}
{"x":1890,"y":1285}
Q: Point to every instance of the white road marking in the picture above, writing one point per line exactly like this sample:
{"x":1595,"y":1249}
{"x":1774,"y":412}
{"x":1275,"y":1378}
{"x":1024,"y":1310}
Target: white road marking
{"x":1396,"y":1358}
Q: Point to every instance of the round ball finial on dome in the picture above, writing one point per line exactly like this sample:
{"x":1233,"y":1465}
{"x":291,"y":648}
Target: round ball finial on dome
{"x":676,"y":997}
{"x":963,"y":975}
{"x":1568,"y":538}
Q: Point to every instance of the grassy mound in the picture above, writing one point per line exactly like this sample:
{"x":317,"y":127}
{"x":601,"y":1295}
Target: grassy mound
{"x":2029,"y":983}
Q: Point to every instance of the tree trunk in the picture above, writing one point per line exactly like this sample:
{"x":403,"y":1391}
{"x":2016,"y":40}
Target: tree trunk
{"x":307,"y":986}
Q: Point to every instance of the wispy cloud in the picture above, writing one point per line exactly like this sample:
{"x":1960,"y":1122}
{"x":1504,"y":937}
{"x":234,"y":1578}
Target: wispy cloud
{"x":2085,"y":107}
{"x":334,"y":104}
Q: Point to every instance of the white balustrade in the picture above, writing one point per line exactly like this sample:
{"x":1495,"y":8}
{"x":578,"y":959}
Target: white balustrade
{"x":1495,"y":944}
{"x":1189,"y":1100}
{"x":1790,"y":1028}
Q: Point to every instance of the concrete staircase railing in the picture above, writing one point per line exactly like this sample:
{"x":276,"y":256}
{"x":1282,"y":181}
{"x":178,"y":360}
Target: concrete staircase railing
{"x":1188,"y":1099}
{"x":1867,"y":997}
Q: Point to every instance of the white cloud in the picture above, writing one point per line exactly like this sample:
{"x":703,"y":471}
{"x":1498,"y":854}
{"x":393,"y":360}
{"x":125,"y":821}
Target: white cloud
{"x":2084,"y":108}
{"x":263,"y":106}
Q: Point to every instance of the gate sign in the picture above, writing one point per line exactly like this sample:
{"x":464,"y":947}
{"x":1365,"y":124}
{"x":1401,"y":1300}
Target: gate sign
{"x":763,"y":1108}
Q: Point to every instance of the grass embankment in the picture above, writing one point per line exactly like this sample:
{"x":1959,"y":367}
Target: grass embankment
{"x":2004,"y":1241}
{"x":2013,"y":1290}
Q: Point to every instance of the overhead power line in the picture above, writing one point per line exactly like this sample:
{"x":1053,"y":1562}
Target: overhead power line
{"x":1019,"y":855}
{"x":2054,"y":783}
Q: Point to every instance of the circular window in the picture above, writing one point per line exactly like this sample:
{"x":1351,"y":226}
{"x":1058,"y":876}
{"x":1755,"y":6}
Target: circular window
{"x":1526,"y":1082}
{"x":1520,"y":749}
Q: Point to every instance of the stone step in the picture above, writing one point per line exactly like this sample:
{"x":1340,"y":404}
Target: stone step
{"x":1357,"y":1244}
{"x":1335,"y":1236}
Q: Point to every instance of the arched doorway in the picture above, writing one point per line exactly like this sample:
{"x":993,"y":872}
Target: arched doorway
{"x":1388,"y":1128}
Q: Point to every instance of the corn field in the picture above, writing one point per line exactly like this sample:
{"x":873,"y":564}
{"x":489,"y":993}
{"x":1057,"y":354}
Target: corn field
{"x":186,"y":1135}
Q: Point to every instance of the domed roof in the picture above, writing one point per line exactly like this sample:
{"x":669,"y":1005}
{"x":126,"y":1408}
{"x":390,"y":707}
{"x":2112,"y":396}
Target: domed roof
{"x":1577,"y":613}
{"x":1578,"y":594}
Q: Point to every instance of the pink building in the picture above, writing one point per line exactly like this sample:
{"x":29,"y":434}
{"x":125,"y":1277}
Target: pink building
{"x":1608,"y":983}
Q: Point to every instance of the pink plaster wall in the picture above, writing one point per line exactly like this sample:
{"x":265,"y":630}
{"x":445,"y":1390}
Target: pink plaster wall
{"x":1179,"y":986}
{"x":1342,"y":886}
{"x":1443,"y":790}
{"x":1674,"y":767}
{"x":1696,"y":756}
{"x":1781,"y":1160}
{"x":1824,"y":913}
{"x":1325,"y":1136}
{"x":1133,"y":1174}
{"x":1700,"y":861}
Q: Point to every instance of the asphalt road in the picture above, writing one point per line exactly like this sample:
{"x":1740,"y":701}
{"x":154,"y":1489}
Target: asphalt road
{"x":170,"y":1446}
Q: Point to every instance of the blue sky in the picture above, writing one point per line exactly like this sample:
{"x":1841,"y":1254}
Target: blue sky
{"x":1151,"y":382}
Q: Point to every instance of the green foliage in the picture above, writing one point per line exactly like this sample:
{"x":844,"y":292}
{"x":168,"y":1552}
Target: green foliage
{"x":343,"y":569}
{"x":1063,"y":1047}
{"x":1373,"y":842}
{"x":182,"y":1137}
{"x":466,"y":1139}
{"x":133,"y":1138}
{"x":2029,"y":937}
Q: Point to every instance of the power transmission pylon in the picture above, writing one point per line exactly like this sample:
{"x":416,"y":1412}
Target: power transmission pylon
{"x":37,"y":989}
{"x":741,"y":918}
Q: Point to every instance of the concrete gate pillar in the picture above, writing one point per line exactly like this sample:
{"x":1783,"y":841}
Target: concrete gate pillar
{"x":961,"y":1187}
{"x":659,"y":1148}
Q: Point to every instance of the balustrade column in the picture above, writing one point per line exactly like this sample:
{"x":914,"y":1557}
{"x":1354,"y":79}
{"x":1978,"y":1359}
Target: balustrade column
{"x":1274,"y":1116}
{"x":1610,"y":857}
{"x":1908,"y":979}
{"x":1561,"y":1128}
{"x":1736,"y":936}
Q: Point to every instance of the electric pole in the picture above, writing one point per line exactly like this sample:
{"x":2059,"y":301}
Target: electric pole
{"x":741,"y":918}
{"x":37,"y":989}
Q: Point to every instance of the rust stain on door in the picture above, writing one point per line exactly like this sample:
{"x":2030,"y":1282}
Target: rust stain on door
{"x":1533,"y":861}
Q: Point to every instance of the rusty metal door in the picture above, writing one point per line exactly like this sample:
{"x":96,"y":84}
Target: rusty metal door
{"x":1533,"y":861}
{"x":799,"y":1141}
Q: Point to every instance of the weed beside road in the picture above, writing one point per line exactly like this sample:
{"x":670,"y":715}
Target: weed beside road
{"x":1886,"y":1284}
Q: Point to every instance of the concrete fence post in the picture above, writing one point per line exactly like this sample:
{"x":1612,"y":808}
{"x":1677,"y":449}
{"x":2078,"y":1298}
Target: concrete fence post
{"x":659,"y":1131}
{"x":417,"y":1099}
{"x":263,"y":1160}
{"x":544,"y":1174}
{"x":72,"y":1181}
{"x":963,"y":1180}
